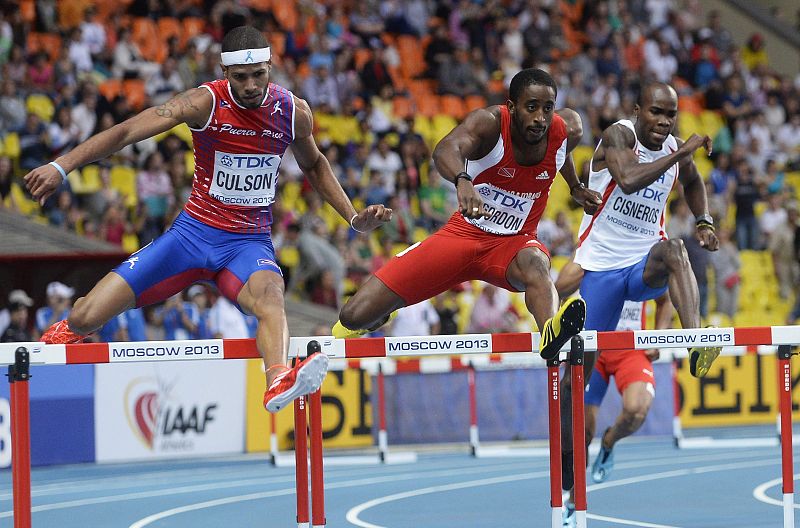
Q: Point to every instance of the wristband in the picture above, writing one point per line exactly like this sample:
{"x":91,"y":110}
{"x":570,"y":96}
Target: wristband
{"x":460,"y":176}
{"x":354,"y":227}
{"x":578,"y":185}
{"x":60,"y":170}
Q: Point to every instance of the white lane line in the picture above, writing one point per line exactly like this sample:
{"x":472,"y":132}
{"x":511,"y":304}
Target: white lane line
{"x":353,"y":514}
{"x":760,"y":492}
{"x":627,"y":522}
{"x":336,"y":485}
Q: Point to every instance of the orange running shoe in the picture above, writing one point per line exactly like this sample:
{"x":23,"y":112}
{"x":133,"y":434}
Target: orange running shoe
{"x":60,"y":334}
{"x":303,"y":379}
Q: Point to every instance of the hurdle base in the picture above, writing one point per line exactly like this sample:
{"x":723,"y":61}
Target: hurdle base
{"x":515,"y":452}
{"x":709,"y":442}
{"x":410,"y":457}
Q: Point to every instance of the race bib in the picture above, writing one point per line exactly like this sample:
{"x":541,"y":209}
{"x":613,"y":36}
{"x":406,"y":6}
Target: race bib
{"x":246,"y":180}
{"x":508,"y":210}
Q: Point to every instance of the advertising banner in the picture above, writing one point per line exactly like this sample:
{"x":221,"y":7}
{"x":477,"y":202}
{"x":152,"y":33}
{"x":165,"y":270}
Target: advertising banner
{"x":738,"y":390}
{"x":61,"y":407}
{"x":169,"y":410}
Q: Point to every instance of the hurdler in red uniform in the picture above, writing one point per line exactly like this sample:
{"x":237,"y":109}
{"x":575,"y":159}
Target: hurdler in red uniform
{"x":503,"y":160}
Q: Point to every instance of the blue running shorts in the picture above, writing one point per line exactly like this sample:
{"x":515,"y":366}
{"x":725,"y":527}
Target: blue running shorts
{"x":192,"y":251}
{"x":606,"y":291}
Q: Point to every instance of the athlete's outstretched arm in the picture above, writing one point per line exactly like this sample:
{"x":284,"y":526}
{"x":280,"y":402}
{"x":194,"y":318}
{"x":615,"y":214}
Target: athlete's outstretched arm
{"x":695,"y":192}
{"x":589,"y":199}
{"x":192,"y":107}
{"x":319,"y":173}
{"x":464,"y":142}
{"x":623,"y":164}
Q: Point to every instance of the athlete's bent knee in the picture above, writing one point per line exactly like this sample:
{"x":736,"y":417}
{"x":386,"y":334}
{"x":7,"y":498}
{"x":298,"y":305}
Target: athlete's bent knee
{"x":349,"y":317}
{"x":80,"y":318}
{"x":675,"y":255}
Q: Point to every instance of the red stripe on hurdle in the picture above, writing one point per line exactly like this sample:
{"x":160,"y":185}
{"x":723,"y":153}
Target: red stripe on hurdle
{"x":241,"y":349}
{"x":406,"y":366}
{"x":759,"y":335}
{"x":365,"y":347}
{"x":83,"y":353}
{"x":615,"y":340}
{"x":517,"y":342}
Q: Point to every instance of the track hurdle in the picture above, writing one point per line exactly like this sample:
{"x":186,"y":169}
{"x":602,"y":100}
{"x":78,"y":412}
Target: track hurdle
{"x":787,"y":336}
{"x":784,"y":337}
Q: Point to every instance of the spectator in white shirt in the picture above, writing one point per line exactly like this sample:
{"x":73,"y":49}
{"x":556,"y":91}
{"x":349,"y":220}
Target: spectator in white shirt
{"x":93,"y":34}
{"x":320,"y":89}
{"x":419,"y":319}
{"x":165,"y":83}
{"x":128,"y":60}
{"x":79,"y":52}
{"x":386,"y":162}
{"x":226,"y":321}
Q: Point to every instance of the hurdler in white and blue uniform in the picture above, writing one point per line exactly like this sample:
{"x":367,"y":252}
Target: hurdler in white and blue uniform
{"x":623,"y":248}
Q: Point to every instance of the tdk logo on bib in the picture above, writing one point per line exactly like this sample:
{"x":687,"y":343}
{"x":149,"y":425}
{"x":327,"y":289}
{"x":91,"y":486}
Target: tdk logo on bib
{"x":247,"y":180}
{"x":507,"y":210}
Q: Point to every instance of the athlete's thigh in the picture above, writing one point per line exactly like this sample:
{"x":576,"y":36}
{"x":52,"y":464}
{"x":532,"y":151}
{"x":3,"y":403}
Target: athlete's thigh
{"x":164,"y":267}
{"x":430,"y":267}
{"x":637,"y":282}
{"x":239,"y":259}
{"x":518,"y":262}
{"x":604,"y":294}
{"x":654,"y":270}
{"x":631,"y":368}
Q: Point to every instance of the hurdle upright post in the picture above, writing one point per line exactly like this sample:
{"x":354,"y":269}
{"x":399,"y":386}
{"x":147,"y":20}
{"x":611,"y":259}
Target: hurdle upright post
{"x":578,"y":429}
{"x":301,"y":459}
{"x":785,"y":397}
{"x":383,"y":440}
{"x":554,"y":416}
{"x":473,"y":411}
{"x":18,"y":376}
{"x":317,"y":470}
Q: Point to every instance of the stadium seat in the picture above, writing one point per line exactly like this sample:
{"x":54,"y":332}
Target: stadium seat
{"x":133,"y":89}
{"x":85,"y":180}
{"x":453,"y":106}
{"x":442,"y":125}
{"x":428,"y":106}
{"x":402,"y":107}
{"x":473,"y":102}
{"x":168,"y":27}
{"x":192,"y":26}
{"x":123,"y":179}
{"x":23,"y":200}
{"x":50,"y":43}
{"x":41,"y":105}
{"x":285,"y":12}
{"x":11,"y":146}
{"x":189,"y":162}
{"x":110,"y":88}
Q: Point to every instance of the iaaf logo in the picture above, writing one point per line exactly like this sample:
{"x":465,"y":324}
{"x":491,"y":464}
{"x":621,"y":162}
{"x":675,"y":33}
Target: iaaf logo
{"x":158,"y":420}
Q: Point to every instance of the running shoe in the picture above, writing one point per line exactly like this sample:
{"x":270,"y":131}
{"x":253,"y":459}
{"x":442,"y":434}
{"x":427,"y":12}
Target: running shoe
{"x":60,"y":334}
{"x":603,"y":464}
{"x":560,"y":328}
{"x":304,"y":378}
{"x":568,"y":517}
{"x":340,"y":331}
{"x":701,"y":358}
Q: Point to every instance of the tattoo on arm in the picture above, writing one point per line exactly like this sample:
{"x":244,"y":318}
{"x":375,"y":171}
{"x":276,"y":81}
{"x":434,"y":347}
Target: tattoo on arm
{"x":176,"y":107}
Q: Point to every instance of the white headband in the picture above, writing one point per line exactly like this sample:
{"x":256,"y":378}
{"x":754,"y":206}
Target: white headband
{"x":245,"y":56}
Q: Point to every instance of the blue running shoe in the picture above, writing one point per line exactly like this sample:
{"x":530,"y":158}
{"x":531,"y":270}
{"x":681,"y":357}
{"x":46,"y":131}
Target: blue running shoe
{"x":603,"y":464}
{"x":568,"y":517}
